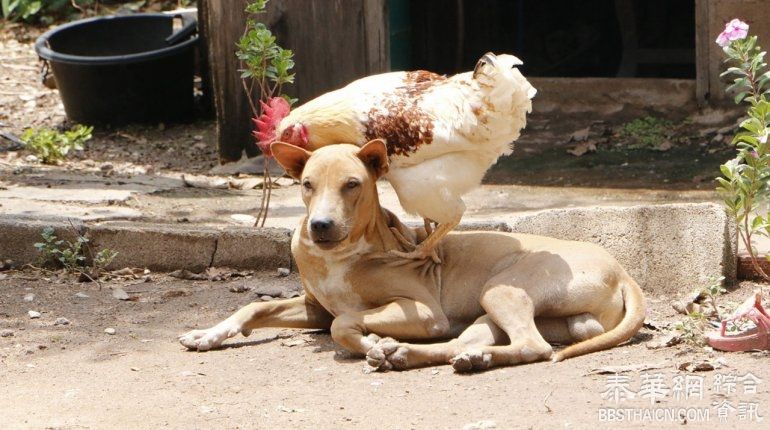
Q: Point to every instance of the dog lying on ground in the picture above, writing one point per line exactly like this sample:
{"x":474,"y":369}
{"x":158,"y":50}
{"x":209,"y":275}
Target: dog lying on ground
{"x":495,"y":299}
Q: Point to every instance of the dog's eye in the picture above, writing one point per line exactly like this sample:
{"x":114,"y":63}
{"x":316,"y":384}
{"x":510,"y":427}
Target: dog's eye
{"x":307,"y":185}
{"x":352,"y":183}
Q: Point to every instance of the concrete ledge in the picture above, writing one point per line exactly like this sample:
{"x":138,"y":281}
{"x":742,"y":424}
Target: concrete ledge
{"x":670,"y":248}
{"x":250,"y":248}
{"x":155,"y":246}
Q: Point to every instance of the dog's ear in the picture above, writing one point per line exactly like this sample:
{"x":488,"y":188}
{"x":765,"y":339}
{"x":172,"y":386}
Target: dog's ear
{"x":375,"y":156}
{"x":290,"y":157}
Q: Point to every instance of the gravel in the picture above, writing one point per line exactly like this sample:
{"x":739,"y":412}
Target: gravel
{"x":34,"y":314}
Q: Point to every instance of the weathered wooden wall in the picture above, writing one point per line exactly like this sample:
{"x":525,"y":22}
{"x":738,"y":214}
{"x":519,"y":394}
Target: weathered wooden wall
{"x":712,"y":15}
{"x":334,"y":42}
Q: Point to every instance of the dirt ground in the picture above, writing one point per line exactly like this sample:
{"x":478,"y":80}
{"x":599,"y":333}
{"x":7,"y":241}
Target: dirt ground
{"x":76,"y":376}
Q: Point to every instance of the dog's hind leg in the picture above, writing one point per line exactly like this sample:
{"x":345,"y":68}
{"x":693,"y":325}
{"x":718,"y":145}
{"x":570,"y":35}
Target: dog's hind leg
{"x":391,"y":354}
{"x":513,"y":311}
{"x":359,"y":332}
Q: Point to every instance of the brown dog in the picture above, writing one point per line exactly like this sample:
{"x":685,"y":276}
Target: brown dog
{"x":495,"y":299}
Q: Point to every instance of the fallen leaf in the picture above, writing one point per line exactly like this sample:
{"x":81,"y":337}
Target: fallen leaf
{"x":580,"y":135}
{"x":206,"y":182}
{"x":582,"y":148}
{"x":664,"y":341}
{"x":188,"y":275}
{"x":703,"y":366}
{"x":295,"y":342}
{"x":246,"y":184}
{"x":129,"y":271}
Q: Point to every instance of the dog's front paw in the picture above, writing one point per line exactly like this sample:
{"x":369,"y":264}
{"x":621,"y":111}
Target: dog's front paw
{"x":203,"y":340}
{"x":387,"y":354}
{"x":471,"y":360}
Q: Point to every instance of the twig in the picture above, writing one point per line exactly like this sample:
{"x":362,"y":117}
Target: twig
{"x":269,"y":190}
{"x":545,"y":402}
{"x":76,"y":6}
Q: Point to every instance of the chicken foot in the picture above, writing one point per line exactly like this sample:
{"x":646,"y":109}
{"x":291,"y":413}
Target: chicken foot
{"x":427,"y":248}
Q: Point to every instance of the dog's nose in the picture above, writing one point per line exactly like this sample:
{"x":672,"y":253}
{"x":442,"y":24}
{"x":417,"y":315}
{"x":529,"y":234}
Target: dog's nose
{"x":321,"y":225}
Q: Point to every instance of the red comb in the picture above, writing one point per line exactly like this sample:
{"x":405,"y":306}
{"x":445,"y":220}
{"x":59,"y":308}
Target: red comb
{"x":273,"y":112}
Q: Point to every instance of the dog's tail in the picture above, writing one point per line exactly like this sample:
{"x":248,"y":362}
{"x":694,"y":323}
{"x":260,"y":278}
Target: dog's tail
{"x":632,"y":321}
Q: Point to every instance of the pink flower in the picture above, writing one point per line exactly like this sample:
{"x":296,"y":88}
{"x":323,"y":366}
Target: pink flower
{"x":734,"y":30}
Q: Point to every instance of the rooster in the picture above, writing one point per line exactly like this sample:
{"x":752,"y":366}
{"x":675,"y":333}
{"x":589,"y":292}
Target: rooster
{"x":442,"y":133}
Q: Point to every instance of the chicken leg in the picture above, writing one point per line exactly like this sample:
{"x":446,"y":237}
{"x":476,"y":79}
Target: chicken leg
{"x":427,"y":248}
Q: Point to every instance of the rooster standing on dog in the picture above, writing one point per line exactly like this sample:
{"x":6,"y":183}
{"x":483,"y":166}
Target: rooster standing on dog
{"x":442,"y":133}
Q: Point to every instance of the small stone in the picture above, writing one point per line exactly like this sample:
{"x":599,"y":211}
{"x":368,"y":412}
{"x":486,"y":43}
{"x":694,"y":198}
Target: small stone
{"x":289,"y":294}
{"x":267,"y":290}
{"x":31,"y":159}
{"x":282,"y":271}
{"x":106,"y":167}
{"x":6,"y":333}
{"x":61,"y":321}
{"x":34,"y":314}
{"x":480,"y":425}
{"x":119,"y":293}
{"x":29,"y":297}
{"x":239,"y":288}
{"x":197,"y":138}
{"x":266,"y":298}
{"x":109,"y":330}
{"x":81,"y":296}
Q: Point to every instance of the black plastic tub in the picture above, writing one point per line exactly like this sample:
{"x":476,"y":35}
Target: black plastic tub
{"x":122,"y":69}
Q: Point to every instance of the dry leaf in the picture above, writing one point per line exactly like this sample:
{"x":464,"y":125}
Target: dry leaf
{"x":582,"y":148}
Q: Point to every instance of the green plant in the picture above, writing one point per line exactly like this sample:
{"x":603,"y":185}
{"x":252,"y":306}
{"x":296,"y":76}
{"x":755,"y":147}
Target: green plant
{"x":72,"y":256}
{"x":744,"y":181}
{"x":265,"y":69}
{"x":20,"y":9}
{"x":691,"y":328}
{"x":647,"y":132}
{"x":52,"y":146}
{"x":44,"y":11}
{"x":714,"y":290}
{"x":48,"y":11}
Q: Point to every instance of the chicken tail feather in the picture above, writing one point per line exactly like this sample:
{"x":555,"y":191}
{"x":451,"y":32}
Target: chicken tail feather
{"x":486,"y":59}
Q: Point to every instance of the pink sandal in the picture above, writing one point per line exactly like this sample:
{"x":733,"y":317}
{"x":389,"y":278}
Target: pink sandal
{"x":752,"y":339}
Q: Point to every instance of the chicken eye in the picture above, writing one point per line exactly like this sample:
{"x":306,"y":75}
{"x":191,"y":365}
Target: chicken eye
{"x":307,"y":185}
{"x":353,"y":183}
